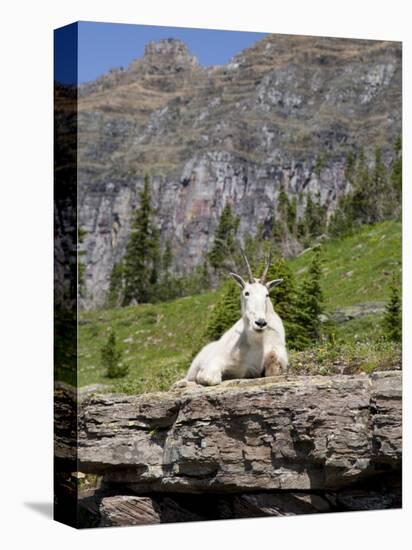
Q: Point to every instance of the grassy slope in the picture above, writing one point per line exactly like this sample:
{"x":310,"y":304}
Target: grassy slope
{"x":358,"y":268}
{"x":157,"y":340}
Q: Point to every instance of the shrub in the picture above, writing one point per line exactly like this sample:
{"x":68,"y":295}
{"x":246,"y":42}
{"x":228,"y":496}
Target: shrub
{"x":392,"y":321}
{"x":110,"y":358}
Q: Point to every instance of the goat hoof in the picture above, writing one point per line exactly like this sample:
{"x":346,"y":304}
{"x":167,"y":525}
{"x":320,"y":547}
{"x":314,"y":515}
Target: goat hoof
{"x":183,"y":383}
{"x":209,"y":379}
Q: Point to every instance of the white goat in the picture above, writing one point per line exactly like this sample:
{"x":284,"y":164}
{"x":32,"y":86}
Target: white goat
{"x":254,"y":346}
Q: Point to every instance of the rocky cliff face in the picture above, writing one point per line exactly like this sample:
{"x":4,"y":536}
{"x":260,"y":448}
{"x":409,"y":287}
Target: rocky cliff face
{"x":229,"y":133}
{"x":246,"y":448}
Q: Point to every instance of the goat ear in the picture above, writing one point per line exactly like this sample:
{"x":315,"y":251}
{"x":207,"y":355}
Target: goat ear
{"x":238,"y":280}
{"x":272,"y":284}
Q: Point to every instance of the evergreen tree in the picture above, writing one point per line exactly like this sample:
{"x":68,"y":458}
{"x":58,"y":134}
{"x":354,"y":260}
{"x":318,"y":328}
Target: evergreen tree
{"x":281,"y":216}
{"x":278,"y":231}
{"x":350,"y":167}
{"x":342,"y":220}
{"x":374,"y":195}
{"x":282,"y":203}
{"x":311,"y":298}
{"x":81,"y":269}
{"x":110,"y":358}
{"x":167,"y":258}
{"x":167,"y":287}
{"x":224,"y":243}
{"x":204,"y":278}
{"x":155,"y":261}
{"x":301,"y":228}
{"x":396,"y":171}
{"x":114,"y":295}
{"x":226,"y":312}
{"x":284,"y":299}
{"x":377,"y":189}
{"x":358,"y":205}
{"x":292,"y":215}
{"x":141,"y":260}
{"x":392,"y":321}
{"x":310,"y":216}
{"x":315,"y":216}
{"x":320,"y":163}
{"x":252,"y":247}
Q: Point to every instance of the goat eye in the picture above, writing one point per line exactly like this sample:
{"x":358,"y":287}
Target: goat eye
{"x":267,"y":295}
{"x":246,"y":293}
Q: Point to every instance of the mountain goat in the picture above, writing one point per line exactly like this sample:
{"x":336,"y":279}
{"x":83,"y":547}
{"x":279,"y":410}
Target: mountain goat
{"x":254,"y":346}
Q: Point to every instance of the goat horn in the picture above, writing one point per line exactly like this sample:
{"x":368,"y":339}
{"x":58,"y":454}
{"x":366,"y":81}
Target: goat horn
{"x":265,"y":271}
{"x":251,"y":279}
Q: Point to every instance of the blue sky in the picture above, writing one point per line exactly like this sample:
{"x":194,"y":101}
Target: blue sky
{"x":103,"y":46}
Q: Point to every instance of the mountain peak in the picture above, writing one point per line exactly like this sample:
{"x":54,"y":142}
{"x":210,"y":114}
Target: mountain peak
{"x":168,"y":55}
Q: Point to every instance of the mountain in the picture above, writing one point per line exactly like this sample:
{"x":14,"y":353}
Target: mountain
{"x":287,"y":110}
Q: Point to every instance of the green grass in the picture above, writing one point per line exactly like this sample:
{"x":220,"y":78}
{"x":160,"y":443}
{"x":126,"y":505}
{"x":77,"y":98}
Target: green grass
{"x":357,"y":346}
{"x":158,"y":340}
{"x":357,"y":268}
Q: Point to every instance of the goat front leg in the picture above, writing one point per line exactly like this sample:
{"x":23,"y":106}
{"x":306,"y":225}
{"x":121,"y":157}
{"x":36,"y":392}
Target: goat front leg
{"x":210,"y":375}
{"x":272,"y":365}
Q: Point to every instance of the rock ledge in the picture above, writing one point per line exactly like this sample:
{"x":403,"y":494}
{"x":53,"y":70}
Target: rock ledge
{"x":295,"y":433}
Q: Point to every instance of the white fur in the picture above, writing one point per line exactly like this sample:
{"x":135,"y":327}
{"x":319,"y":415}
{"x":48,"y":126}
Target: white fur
{"x":241,"y":351}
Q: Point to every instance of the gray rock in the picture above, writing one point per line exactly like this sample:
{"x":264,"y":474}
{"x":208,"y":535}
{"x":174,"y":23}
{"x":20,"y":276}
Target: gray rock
{"x":295,"y":434}
{"x":134,"y":510}
{"x":278,"y":504}
{"x":128,"y":510}
{"x":356,"y":311}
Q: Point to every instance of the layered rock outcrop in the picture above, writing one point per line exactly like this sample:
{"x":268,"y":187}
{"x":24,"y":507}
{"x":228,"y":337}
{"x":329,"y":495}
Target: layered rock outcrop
{"x":304,"y":433}
{"x":274,"y":446}
{"x":286,"y":110}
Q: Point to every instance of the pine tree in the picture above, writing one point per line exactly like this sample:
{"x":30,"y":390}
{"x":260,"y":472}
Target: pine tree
{"x":358,"y":205}
{"x":392,"y":321}
{"x":155,"y":261}
{"x":141,"y":260}
{"x":320,"y":163}
{"x":224,"y":243}
{"x":340,"y":222}
{"x":81,"y":268}
{"x":311,"y":298}
{"x":110,"y":358}
{"x":284,"y":299}
{"x":166,"y":288}
{"x":350,"y":167}
{"x":396,"y":171}
{"x":167,"y":258}
{"x":226,"y":312}
{"x":278,"y":231}
{"x":315,"y":216}
{"x":282,"y":203}
{"x":301,"y":228}
{"x":281,"y":216}
{"x":252,"y":247}
{"x":114,"y":295}
{"x":374,"y":195}
{"x":377,"y":188}
{"x":310,"y":215}
{"x":292,"y":215}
